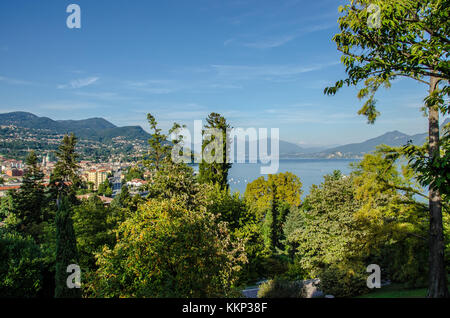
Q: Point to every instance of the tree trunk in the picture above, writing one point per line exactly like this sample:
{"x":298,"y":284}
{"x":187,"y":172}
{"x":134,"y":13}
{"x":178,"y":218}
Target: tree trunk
{"x":437,"y":285}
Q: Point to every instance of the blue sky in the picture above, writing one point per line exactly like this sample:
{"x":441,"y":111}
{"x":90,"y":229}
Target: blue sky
{"x":259,"y":63}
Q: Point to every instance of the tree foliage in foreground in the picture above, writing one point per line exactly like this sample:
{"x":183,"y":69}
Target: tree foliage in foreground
{"x":271,"y":200}
{"x":66,"y":250}
{"x":349,"y":222}
{"x":27,"y":213}
{"x":215,"y":172}
{"x":403,"y":38}
{"x":166,"y":250}
{"x":20,"y":266}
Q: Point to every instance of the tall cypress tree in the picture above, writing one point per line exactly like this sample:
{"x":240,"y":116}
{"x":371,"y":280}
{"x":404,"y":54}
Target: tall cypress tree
{"x":65,"y":177}
{"x":28,"y":202}
{"x":66,"y":250}
{"x":216,"y":172}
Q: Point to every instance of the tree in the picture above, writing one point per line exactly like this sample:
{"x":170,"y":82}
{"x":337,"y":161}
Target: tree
{"x":228,"y":207}
{"x":93,"y":230}
{"x":215,"y":172}
{"x":166,"y":250}
{"x":281,"y":187}
{"x":160,"y":148}
{"x":387,"y":190}
{"x":271,"y":200}
{"x":327,"y":235}
{"x":66,"y":250}
{"x":171,"y":179}
{"x":105,"y":189}
{"x":243,"y":225}
{"x":177,"y":181}
{"x":434,"y":171}
{"x":411,"y":40}
{"x":368,"y":217}
{"x":65,"y":176}
{"x":134,"y":173}
{"x":20,"y":266}
{"x":28,"y":203}
{"x":123,"y":199}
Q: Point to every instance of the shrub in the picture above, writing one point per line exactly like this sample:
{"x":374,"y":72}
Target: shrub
{"x":342,"y":282}
{"x":165,"y":250}
{"x":294,"y":271}
{"x":275,"y":265}
{"x":20,"y":266}
{"x":279,"y":288}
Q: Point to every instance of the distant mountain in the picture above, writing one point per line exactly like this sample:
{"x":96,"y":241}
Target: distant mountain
{"x":97,"y":129}
{"x":286,"y":150}
{"x":288,"y":147}
{"x":91,"y":123}
{"x":393,"y":139}
{"x":355,"y":150}
{"x":101,"y":130}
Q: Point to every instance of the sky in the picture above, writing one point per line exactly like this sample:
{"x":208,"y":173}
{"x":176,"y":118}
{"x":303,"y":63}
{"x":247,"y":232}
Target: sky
{"x":261,"y":64}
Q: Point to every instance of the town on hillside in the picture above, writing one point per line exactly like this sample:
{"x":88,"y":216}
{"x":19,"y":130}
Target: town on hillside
{"x":110,"y":175}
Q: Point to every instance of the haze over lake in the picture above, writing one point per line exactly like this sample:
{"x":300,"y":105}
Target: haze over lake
{"x":310,"y":171}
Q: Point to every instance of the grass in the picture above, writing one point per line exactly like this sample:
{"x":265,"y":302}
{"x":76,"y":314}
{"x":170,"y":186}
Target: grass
{"x":396,"y":291}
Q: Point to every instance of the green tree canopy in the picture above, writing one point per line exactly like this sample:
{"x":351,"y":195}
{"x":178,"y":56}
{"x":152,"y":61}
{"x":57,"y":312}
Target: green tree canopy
{"x":93,"y":229}
{"x":65,"y":176}
{"x":215,"y":172}
{"x":160,"y":147}
{"x":283,"y":187}
{"x":20,"y":266}
{"x":66,"y":250}
{"x":166,"y":250}
{"x":27,"y":211}
{"x":382,"y":40}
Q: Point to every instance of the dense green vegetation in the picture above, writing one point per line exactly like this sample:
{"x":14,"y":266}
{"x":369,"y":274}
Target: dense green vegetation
{"x":409,"y":39}
{"x":191,"y":237}
{"x":214,"y":169}
{"x":99,"y":140}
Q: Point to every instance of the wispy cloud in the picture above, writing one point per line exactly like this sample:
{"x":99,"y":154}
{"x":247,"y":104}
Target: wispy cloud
{"x":154,"y":86}
{"x":225,"y":86}
{"x":79,"y":83}
{"x":106,"y":96}
{"x":228,"y":42}
{"x":270,"y":42}
{"x":288,"y":116}
{"x":266,"y":72}
{"x":14,"y":81}
{"x":279,"y":40}
{"x":67,"y":105}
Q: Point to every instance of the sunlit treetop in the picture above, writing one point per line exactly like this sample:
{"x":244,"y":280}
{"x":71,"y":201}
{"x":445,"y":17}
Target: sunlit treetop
{"x":385,"y":39}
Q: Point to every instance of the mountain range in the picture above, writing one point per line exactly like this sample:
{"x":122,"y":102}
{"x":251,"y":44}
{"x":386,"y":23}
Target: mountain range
{"x":356,"y":150}
{"x":101,"y":130}
{"x":96,"y":129}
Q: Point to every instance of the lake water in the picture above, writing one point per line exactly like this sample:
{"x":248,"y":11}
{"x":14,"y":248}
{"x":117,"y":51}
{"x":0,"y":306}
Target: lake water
{"x":310,"y":171}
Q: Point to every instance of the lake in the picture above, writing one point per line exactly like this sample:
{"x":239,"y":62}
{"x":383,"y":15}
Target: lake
{"x":310,"y":171}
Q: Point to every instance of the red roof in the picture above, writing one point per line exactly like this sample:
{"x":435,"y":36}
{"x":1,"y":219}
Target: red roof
{"x":9,"y":188}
